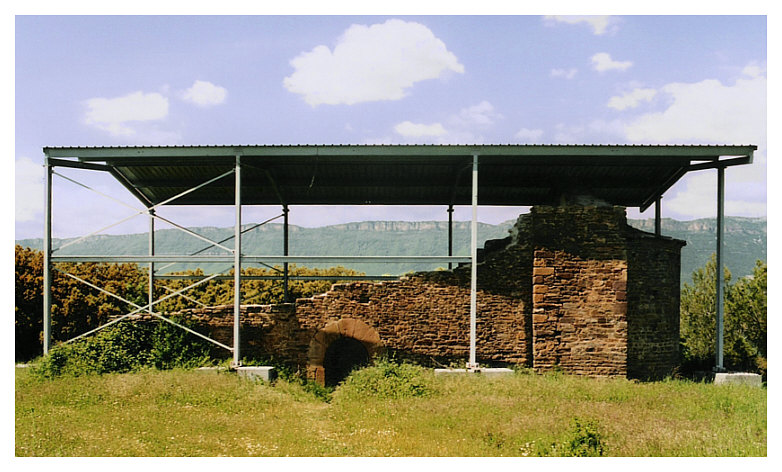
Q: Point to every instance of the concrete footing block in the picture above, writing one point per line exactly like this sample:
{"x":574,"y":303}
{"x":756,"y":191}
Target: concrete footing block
{"x":489,"y":372}
{"x":745,"y":378}
{"x":264,"y":373}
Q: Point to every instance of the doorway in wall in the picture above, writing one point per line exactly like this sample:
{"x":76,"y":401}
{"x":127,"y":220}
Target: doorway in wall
{"x":342,"y":356}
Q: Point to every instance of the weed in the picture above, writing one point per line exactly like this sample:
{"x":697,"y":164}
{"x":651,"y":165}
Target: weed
{"x":387,"y":379}
{"x":584,"y":440}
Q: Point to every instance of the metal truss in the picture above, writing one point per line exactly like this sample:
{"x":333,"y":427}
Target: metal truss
{"x":232,"y":256}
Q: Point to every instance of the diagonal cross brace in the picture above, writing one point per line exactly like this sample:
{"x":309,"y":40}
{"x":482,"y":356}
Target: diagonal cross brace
{"x":140,"y":308}
{"x":150,"y":211}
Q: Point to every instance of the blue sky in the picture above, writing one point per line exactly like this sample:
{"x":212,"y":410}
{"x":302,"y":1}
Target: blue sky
{"x":163,"y":80}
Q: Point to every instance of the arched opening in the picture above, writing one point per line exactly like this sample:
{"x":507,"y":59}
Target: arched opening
{"x":340,"y":338}
{"x":342,"y":356}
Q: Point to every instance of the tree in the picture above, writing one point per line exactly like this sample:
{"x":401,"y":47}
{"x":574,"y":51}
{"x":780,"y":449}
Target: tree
{"x":747,"y":304}
{"x":744,"y":314}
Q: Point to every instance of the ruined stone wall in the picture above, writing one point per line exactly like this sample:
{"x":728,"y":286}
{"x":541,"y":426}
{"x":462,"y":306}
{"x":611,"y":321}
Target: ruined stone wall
{"x":579,"y":281}
{"x":653,"y":305}
{"x":573,"y":288}
{"x":425,"y":317}
{"x":270,"y":332}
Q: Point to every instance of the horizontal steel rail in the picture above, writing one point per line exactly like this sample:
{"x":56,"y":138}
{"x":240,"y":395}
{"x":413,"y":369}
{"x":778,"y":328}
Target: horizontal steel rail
{"x":257,"y":259}
{"x":282,"y":277}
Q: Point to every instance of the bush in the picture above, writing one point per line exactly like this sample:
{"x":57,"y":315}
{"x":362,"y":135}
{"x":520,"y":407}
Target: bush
{"x":584,"y":440}
{"x":125,"y":347}
{"x":745,"y":315}
{"x":388,"y":380}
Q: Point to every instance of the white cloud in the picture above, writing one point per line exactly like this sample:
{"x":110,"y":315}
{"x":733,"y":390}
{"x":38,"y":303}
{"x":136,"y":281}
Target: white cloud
{"x":371,"y":63}
{"x":696,"y":197}
{"x":631,"y":99}
{"x":594,"y":132}
{"x":462,"y":127}
{"x":28,"y":189}
{"x":600,"y":24}
{"x":707,"y":112}
{"x":418,"y":130}
{"x":529,"y":135}
{"x":480,"y":115}
{"x":205,"y":94}
{"x":113,"y":114}
{"x":567,"y":74}
{"x":602,"y":62}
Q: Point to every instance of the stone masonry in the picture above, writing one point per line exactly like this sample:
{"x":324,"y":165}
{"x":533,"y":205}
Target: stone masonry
{"x":572,"y":288}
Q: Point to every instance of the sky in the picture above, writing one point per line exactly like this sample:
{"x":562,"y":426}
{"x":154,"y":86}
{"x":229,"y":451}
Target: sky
{"x":506,"y":79}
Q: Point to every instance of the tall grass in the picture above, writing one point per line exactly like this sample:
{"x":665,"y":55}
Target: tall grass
{"x":213,"y":413}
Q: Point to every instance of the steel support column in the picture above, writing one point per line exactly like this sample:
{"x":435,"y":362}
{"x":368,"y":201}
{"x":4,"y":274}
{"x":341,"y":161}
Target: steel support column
{"x":720,"y":271}
{"x":285,"y":253}
{"x":658,"y":216}
{"x":151,"y":294}
{"x":237,"y":259}
{"x":474,"y":257}
{"x":47,"y":254}
{"x":450,"y":234}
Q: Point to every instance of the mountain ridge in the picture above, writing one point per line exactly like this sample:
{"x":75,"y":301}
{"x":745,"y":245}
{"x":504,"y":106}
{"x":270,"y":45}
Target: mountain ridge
{"x":746,"y":241}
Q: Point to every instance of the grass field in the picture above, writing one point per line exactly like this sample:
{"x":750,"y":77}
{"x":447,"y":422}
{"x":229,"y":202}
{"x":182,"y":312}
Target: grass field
{"x":211,"y":413}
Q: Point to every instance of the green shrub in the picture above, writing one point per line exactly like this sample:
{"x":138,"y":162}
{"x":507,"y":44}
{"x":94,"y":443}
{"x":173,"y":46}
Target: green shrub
{"x":388,"y":380}
{"x":584,"y":440}
{"x":125,"y":347}
{"x":171,"y":346}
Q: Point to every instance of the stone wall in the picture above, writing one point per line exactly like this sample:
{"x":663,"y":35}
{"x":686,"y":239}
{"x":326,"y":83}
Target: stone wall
{"x":653,"y":305}
{"x":572,"y":288}
{"x":579,"y":290}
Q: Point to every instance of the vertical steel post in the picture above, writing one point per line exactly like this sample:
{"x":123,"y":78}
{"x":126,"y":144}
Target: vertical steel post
{"x":151,"y":294}
{"x":285,"y":253}
{"x":474,"y":256}
{"x":450,"y":235}
{"x":237,"y":258}
{"x":47,"y":254}
{"x":720,"y":273}
{"x":657,"y":217}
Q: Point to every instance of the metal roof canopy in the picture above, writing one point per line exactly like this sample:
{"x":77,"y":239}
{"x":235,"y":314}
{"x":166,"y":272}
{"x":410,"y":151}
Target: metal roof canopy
{"x":510,"y":175}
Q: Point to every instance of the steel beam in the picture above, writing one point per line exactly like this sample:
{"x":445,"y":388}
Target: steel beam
{"x":285,"y":293}
{"x":736,"y":161}
{"x":472,"y":364}
{"x":658,"y":216}
{"x":399,"y":151}
{"x":237,"y":260}
{"x":450,"y":235}
{"x":164,"y":258}
{"x":280,"y":277}
{"x":151,"y":295}
{"x":47,"y":258}
{"x":720,"y":271}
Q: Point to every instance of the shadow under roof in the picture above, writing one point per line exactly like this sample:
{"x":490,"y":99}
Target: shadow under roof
{"x":509,"y":175}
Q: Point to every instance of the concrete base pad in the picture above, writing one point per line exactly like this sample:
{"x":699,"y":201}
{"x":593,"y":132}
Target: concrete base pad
{"x":723,"y":378}
{"x":257,"y":373}
{"x":489,"y":372}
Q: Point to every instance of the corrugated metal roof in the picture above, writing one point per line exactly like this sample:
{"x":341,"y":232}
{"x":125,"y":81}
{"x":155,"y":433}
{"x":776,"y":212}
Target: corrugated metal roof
{"x":509,"y":174}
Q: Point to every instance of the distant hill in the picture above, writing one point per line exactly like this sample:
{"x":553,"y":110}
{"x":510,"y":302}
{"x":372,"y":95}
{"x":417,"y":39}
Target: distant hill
{"x":745,"y":240}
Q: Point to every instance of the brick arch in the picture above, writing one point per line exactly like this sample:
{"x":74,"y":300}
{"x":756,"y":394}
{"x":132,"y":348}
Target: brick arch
{"x":345,"y":327}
